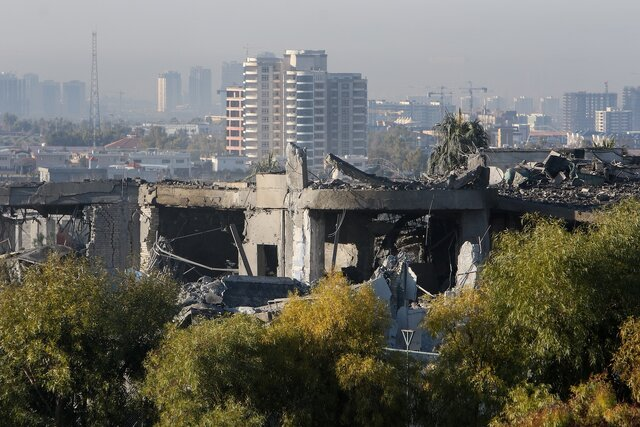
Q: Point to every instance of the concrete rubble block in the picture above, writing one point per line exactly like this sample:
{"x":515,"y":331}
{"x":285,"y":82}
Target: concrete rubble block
{"x":355,"y":173}
{"x":410,"y":318}
{"x":556,"y":163}
{"x":473,"y":178}
{"x":469,"y":258}
{"x":296,"y":167}
{"x":257,"y":291}
{"x":381,"y":289}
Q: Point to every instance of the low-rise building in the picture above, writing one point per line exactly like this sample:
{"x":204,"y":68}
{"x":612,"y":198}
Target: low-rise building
{"x":178,"y":164}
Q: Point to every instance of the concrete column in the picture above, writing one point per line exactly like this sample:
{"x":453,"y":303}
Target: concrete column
{"x":115,"y":231}
{"x":475,"y":243}
{"x":149,"y":225}
{"x":307,"y":245}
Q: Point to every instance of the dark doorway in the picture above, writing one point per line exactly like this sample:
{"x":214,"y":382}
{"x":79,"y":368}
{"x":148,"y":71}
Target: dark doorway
{"x":267,"y":260}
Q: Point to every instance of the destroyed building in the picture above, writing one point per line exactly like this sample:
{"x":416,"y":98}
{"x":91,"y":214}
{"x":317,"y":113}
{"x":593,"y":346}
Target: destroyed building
{"x":286,"y":225}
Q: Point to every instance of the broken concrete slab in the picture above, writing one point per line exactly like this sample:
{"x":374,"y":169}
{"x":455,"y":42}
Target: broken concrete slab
{"x":353,"y":172}
{"x":257,"y":291}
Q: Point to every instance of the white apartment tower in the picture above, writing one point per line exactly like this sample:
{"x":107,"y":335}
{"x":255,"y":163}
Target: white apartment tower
{"x":612,"y":121}
{"x":169,"y":91}
{"x":287,"y":100}
{"x":262,"y":106}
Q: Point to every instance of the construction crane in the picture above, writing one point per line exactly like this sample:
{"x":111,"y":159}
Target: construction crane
{"x":441,"y":95}
{"x":470,"y":90}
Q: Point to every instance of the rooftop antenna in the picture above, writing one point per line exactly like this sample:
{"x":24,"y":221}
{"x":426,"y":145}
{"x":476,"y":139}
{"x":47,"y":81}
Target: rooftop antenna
{"x":94,"y":106}
{"x":606,"y":87}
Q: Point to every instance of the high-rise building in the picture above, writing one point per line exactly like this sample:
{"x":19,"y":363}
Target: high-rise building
{"x":231,"y":75}
{"x":613,"y":121}
{"x":200,"y":89}
{"x":294,"y":99}
{"x":494,"y":104}
{"x":50,"y":98}
{"x":74,"y":100}
{"x":169,"y":91}
{"x":32,"y":95}
{"x":550,"y":106}
{"x":10,"y":93}
{"x":579,"y":109}
{"x":234,"y":125}
{"x":523,"y":105}
{"x":347,"y":114}
{"x":263,"y":106}
{"x":631,"y":102}
{"x":305,"y":98}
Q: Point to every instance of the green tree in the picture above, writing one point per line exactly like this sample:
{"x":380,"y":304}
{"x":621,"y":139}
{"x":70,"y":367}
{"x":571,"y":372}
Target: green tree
{"x":547,"y":312}
{"x":399,"y":146}
{"x":457,"y":139}
{"x":72,"y":342}
{"x":9,"y":120}
{"x":319,"y":363}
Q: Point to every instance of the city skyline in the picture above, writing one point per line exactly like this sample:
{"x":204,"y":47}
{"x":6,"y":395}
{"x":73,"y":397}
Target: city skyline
{"x":513,"y":50}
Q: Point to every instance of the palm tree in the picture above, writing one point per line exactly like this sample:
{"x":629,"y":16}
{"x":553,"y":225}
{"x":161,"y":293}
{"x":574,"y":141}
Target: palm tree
{"x":457,"y":139}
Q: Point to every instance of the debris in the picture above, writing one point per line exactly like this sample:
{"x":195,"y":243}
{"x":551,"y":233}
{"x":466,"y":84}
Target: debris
{"x":355,"y":173}
{"x":474,"y":178}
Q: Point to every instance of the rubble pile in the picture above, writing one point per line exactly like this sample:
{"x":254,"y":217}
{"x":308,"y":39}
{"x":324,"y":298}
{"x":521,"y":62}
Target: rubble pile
{"x":569,"y":195}
{"x":338,"y":184}
{"x":568,"y":181}
{"x":253,"y":295}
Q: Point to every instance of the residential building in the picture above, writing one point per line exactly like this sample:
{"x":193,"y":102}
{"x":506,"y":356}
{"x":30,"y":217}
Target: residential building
{"x":631,"y":102}
{"x":523,"y":105}
{"x":231,"y":75}
{"x":295,"y":99}
{"x":169,"y":91}
{"x":230,"y":163}
{"x":347,"y":115}
{"x":177,"y":164}
{"x":10,"y":94}
{"x":611,"y":121}
{"x":234,"y":120}
{"x":263,"y":104}
{"x":200,"y":89}
{"x":579,"y":109}
{"x":494,"y":104}
{"x":32,"y":95}
{"x":50,"y":98}
{"x":74,"y":100}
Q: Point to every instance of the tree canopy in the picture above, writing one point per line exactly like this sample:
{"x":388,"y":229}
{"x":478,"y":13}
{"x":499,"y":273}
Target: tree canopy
{"x":72,"y":342}
{"x":457,"y":139}
{"x":319,"y":363}
{"x":546,"y":314}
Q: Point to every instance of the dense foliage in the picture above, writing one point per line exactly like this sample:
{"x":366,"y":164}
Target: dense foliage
{"x":72,"y":343}
{"x":457,"y":139}
{"x":546,"y":315}
{"x":319,"y":363}
{"x":400,"y":147}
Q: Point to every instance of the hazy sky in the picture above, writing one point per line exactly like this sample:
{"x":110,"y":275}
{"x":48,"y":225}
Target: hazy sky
{"x":403,"y":47}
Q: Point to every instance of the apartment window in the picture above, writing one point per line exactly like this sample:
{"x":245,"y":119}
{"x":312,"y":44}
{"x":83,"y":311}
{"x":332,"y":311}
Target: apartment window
{"x":265,"y":69}
{"x":265,"y":111}
{"x":265,"y":128}
{"x":345,"y":102}
{"x":265,"y":85}
{"x":265,"y":94}
{"x":265,"y":102}
{"x":344,"y":85}
{"x":180,"y":161}
{"x":265,"y":77}
{"x":265,"y":119}
{"x":265,"y":144}
{"x":166,"y":161}
{"x":234,"y":113}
